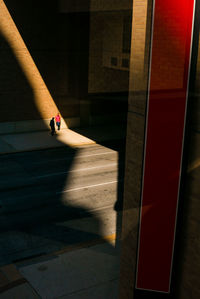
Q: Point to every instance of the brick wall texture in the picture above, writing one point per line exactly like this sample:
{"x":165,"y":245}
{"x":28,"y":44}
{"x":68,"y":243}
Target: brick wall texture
{"x":42,"y":60}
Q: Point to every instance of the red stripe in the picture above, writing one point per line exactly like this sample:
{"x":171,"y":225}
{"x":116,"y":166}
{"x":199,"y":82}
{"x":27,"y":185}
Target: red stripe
{"x":172,"y":32}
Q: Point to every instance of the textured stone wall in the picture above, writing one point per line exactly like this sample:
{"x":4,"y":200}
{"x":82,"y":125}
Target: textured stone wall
{"x":49,"y":58}
{"x":43,"y":60}
{"x":135,"y":142}
{"x":106,"y":32}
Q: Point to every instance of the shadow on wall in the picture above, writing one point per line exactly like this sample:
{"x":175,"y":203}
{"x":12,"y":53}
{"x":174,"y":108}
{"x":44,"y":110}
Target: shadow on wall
{"x":58,"y":45}
{"x":37,"y":219}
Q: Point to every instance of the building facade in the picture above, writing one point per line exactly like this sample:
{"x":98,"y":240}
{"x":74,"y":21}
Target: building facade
{"x":108,"y":62}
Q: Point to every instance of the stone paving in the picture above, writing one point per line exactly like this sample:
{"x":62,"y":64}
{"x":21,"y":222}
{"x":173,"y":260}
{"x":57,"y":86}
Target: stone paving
{"x":85,"y":271}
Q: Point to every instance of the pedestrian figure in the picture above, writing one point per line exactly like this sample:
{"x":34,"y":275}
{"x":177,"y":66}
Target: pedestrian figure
{"x":52,"y":125}
{"x":58,"y":121}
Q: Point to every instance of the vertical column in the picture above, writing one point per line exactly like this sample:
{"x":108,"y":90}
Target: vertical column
{"x":138,"y":85}
{"x":153,"y":176}
{"x":170,"y":63}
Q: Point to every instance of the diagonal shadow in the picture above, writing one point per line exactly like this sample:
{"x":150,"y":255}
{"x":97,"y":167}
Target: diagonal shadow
{"x":38,"y":222}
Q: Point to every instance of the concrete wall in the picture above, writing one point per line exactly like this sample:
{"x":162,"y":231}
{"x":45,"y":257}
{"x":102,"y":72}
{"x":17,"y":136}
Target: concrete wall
{"x":107,"y":85}
{"x":106,"y":32}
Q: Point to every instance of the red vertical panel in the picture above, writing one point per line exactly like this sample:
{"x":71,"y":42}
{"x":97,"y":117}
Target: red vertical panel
{"x":170,"y":58}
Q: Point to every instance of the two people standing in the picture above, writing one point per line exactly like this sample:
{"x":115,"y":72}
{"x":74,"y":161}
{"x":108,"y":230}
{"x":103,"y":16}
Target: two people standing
{"x":52,"y":123}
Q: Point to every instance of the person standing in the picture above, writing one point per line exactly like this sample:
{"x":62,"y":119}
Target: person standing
{"x":58,"y":121}
{"x":52,"y":125}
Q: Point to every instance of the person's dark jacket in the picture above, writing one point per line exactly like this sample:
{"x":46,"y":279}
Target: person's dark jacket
{"x":52,"y":124}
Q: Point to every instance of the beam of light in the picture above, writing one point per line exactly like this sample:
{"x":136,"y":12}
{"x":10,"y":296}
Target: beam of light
{"x":43,"y":99}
